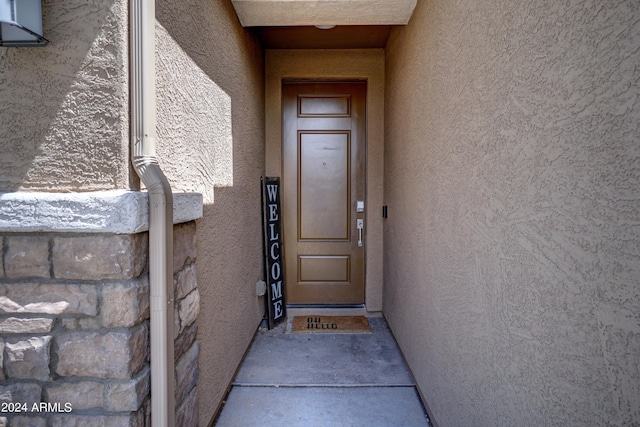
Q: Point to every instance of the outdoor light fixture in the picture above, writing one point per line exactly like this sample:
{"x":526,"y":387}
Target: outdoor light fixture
{"x":21,"y":23}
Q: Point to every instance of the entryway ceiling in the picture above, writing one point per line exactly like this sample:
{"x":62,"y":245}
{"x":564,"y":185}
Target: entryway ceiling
{"x":268,"y":13}
{"x":340,"y":37}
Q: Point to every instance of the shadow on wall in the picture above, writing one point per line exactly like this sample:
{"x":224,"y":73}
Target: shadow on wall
{"x":64,"y":105}
{"x":210,"y":87}
{"x":210,"y":81}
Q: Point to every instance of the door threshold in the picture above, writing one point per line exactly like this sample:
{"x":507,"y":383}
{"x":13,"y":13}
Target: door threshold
{"x":290,"y":306}
{"x":329,"y":310}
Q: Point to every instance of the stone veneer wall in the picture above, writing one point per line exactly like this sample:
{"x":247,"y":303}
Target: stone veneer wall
{"x":187,"y":308}
{"x":74,"y":329}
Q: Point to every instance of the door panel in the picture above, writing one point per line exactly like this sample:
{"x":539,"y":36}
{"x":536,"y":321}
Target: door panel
{"x":324,"y":268}
{"x":323,"y":106}
{"x":323,"y":177}
{"x":324,"y":182}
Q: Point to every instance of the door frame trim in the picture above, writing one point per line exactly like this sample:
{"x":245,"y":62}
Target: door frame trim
{"x":337,"y":65}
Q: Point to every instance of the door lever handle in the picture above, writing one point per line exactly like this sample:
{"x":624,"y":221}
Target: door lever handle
{"x":360,"y":226}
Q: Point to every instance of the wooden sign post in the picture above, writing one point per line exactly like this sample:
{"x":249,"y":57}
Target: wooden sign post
{"x":273,"y":251}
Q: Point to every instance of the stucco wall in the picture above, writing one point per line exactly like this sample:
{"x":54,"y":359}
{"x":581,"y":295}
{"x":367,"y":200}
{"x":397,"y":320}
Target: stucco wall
{"x":64,"y":107}
{"x":512,"y":172}
{"x":211,"y":140}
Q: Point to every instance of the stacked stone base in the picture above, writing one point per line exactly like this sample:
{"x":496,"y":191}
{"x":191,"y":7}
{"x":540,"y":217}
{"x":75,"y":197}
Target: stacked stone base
{"x":74,"y":329}
{"x":187,"y":308}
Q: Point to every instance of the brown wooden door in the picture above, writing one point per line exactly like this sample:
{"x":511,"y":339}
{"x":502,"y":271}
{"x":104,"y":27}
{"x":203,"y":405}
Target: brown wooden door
{"x":323,"y":179}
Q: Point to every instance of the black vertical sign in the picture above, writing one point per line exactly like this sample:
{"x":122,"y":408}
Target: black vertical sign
{"x":272,"y":237}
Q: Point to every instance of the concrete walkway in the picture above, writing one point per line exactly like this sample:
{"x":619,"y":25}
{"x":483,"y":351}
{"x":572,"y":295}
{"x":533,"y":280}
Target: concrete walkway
{"x":322,"y":380}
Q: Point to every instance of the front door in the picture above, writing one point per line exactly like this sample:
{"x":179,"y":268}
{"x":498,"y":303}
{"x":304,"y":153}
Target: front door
{"x":323,"y":185}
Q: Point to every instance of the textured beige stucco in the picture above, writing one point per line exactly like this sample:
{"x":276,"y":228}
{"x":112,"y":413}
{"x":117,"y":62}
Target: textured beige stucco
{"x":337,"y":64}
{"x":210,"y":81}
{"x":512,"y":175}
{"x":64,"y":107}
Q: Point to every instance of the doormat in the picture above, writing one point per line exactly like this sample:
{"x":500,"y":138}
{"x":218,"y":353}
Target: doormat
{"x":329,"y":324}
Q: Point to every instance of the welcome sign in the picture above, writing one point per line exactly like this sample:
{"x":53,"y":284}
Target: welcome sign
{"x":272,"y":237}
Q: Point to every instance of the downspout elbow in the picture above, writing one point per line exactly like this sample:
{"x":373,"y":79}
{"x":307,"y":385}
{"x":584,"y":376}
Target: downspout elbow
{"x":151,"y":175}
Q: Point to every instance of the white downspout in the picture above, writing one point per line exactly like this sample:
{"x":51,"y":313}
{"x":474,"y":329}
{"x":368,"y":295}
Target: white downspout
{"x":143,"y":154}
